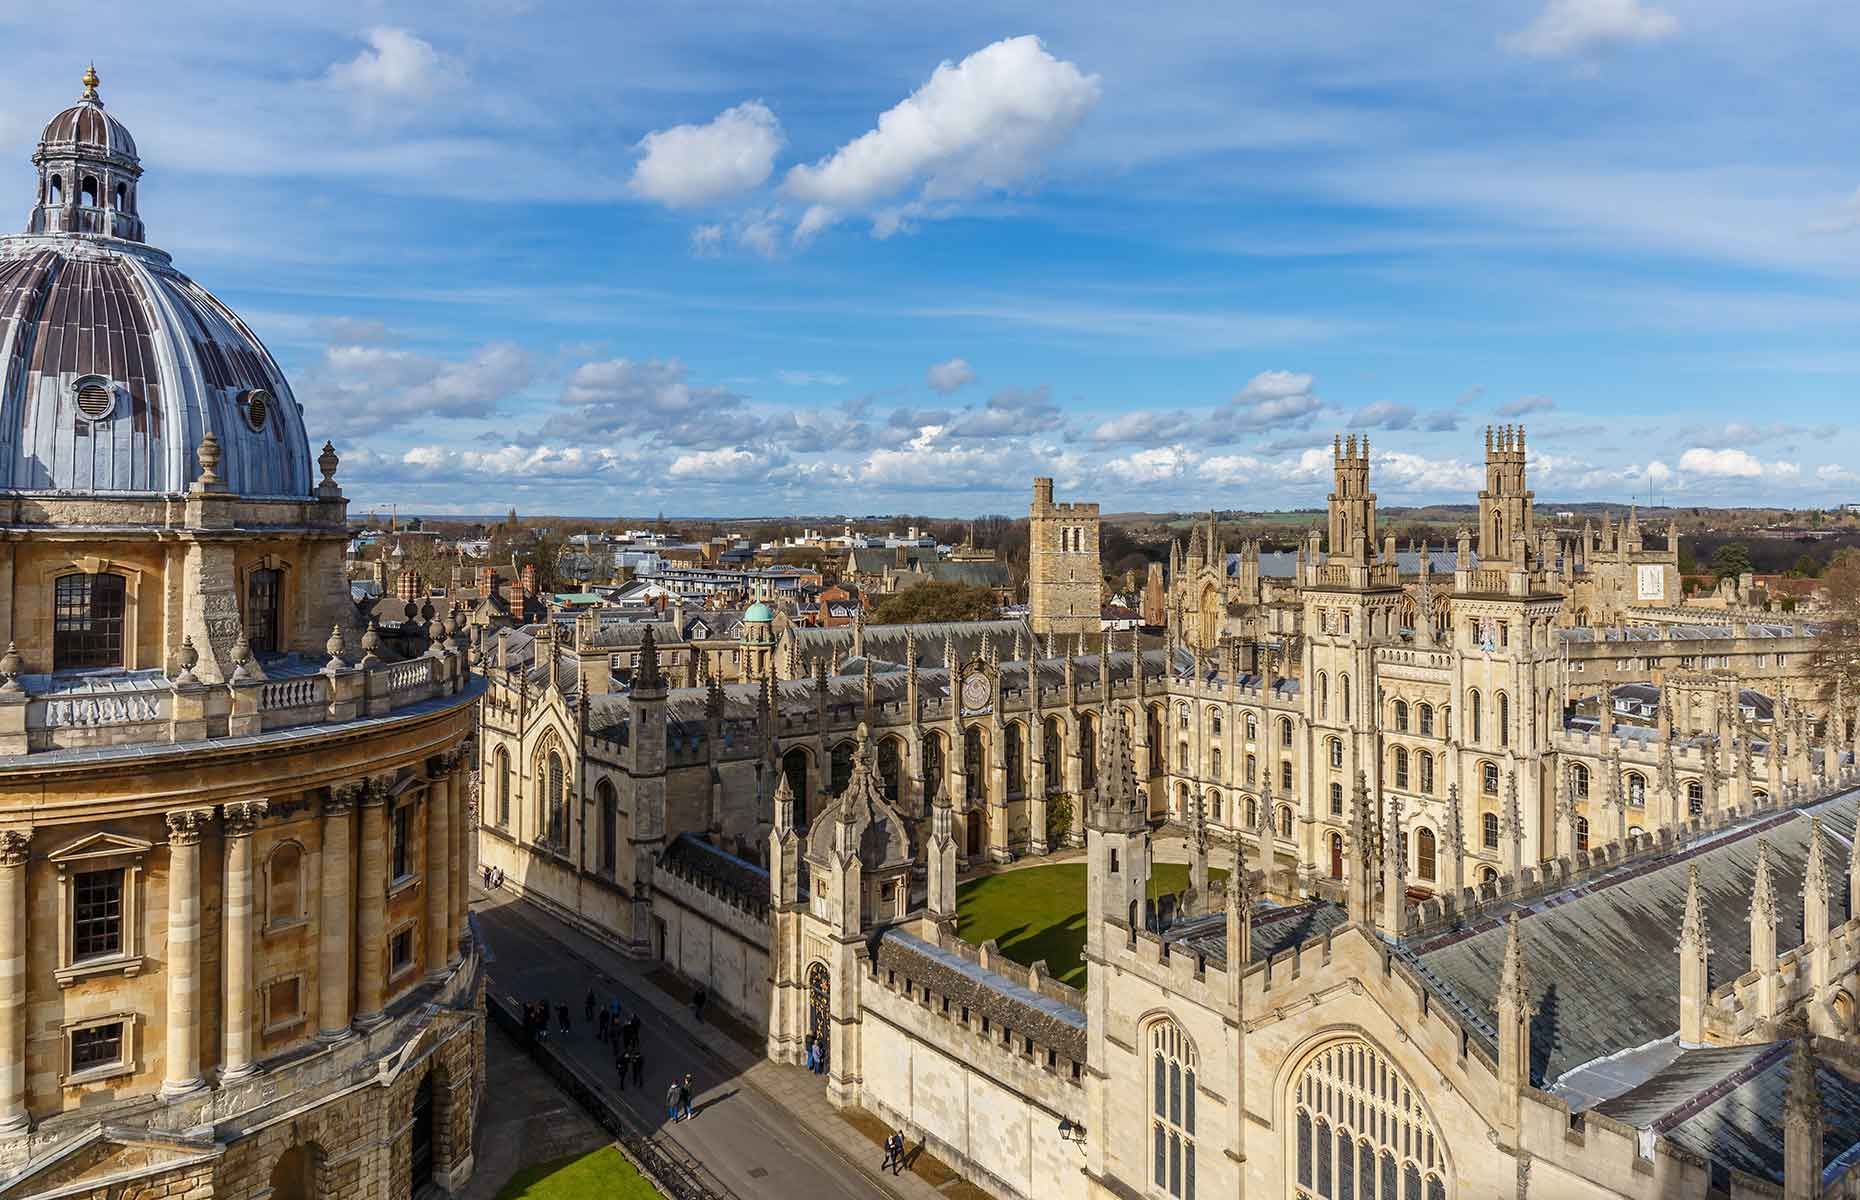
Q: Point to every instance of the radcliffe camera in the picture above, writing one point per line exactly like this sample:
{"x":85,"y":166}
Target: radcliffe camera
{"x":819,"y":604}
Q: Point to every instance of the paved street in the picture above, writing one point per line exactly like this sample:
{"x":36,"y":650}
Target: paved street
{"x":759,"y":1129}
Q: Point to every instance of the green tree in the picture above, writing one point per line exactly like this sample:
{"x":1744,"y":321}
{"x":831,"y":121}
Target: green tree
{"x":1730,"y":560}
{"x":1837,"y":635}
{"x":936,"y":602}
{"x":1807,"y":566}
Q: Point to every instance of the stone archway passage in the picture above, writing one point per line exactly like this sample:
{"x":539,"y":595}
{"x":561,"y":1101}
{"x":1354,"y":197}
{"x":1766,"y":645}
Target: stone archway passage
{"x":819,"y":1005}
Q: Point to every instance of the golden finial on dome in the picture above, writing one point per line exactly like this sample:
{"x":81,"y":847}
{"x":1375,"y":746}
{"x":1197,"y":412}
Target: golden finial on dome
{"x":90,"y":82}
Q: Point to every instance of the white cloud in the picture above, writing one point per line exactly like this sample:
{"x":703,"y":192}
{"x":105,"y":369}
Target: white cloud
{"x":1160,"y":464}
{"x":1383,"y":414}
{"x":1723,"y":464}
{"x":947,"y":377}
{"x":396,"y":65}
{"x":1145,"y":425}
{"x":735,"y":465}
{"x":1526,"y":404}
{"x":689,"y":165}
{"x":984,"y":124}
{"x":365,"y":389}
{"x":1575,"y":28}
{"x":1270,"y":399}
{"x":623,"y":398}
{"x":1010,"y":412}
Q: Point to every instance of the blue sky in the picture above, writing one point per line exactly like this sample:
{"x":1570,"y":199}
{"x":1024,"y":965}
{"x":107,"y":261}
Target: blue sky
{"x":736,"y":259}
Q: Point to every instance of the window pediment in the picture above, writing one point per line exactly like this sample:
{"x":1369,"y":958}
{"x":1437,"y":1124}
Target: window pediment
{"x":98,"y":846}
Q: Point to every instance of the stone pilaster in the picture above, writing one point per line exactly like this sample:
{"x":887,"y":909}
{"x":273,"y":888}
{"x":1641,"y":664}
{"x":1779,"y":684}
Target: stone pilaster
{"x":238,"y":820}
{"x":371,"y":920}
{"x":181,"y":1046}
{"x":460,"y":899}
{"x":438,"y":869}
{"x":334,"y":924}
{"x":15,"y":845}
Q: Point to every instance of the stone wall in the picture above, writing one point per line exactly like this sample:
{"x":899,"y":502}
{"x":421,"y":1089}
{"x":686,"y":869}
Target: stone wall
{"x":713,"y":938}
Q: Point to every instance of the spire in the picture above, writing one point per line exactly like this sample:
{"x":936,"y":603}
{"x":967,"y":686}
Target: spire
{"x":1514,"y":1033}
{"x":1802,"y":1125}
{"x":1514,"y":980}
{"x":1694,"y":964}
{"x":90,"y":85}
{"x":1693,"y":931}
{"x":784,"y":803}
{"x":1763,"y":915}
{"x":1239,"y":919}
{"x":1815,"y":889}
{"x":1394,"y":871}
{"x":648,"y":676}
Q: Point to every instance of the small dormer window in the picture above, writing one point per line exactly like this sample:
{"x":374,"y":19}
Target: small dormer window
{"x":257,"y":405}
{"x":96,"y":398}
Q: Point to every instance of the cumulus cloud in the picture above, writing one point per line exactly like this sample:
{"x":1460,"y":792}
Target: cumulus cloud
{"x":984,"y":124}
{"x":630,"y":398}
{"x":728,"y":465}
{"x":396,"y":65}
{"x":690,"y":165}
{"x":1383,"y":414}
{"x":1148,"y":468}
{"x":357,"y":389}
{"x":947,"y":377}
{"x":1145,"y":426}
{"x":1733,"y":464}
{"x":1009,"y":412}
{"x":1526,"y":404}
{"x":1269,"y":399}
{"x":1577,"y":28}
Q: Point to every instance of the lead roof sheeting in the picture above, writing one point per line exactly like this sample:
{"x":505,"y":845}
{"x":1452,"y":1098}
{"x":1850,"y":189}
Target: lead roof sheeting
{"x":1048,"y":1021}
{"x":1603,"y":956}
{"x":1743,"y":1129}
{"x":1274,"y":930}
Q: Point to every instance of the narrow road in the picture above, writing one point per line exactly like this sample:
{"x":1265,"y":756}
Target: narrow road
{"x":738,"y":1141}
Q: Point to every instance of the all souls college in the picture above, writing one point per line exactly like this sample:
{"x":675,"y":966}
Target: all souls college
{"x":1480,"y":934}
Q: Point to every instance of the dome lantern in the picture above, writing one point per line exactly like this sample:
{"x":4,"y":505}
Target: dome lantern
{"x":88,"y":171}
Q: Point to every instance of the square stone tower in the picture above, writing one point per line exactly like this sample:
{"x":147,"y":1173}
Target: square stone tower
{"x":1064,"y":577}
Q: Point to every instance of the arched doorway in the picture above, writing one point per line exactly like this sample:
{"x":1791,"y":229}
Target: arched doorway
{"x":293,"y":1176}
{"x":421,"y":1148}
{"x":1336,"y":856}
{"x":978,"y":829}
{"x":819,"y":1006}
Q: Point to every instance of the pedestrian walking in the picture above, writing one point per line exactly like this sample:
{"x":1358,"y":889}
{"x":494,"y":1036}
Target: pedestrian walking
{"x":697,"y":1004}
{"x":561,"y":1012}
{"x":632,"y":1031}
{"x":813,"y":1053}
{"x":671,"y":1101}
{"x":894,"y":1152}
{"x":587,"y":1007}
{"x":684,"y":1098}
{"x":620,"y":1065}
{"x":600,"y":1028}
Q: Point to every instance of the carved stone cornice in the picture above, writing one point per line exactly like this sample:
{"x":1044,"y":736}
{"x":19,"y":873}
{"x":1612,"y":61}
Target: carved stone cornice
{"x":15,"y":844}
{"x":185,"y":826}
{"x":241,"y":817}
{"x":376,"y":791}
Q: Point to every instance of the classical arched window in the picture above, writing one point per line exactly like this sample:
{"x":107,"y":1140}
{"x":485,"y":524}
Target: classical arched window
{"x":1401,"y":767}
{"x":1424,"y":853}
{"x":1173,"y":1067}
{"x":1323,"y":695}
{"x":1335,"y":747}
{"x":87,"y":621}
{"x":1579,"y":781}
{"x":1636,"y":789}
{"x":263,"y":594}
{"x":1488,"y":778}
{"x":1504,"y":719}
{"x":1695,"y":798}
{"x":1285,"y":732}
{"x":1252,"y":728}
{"x":1427,"y":719}
{"x":1582,"y":833}
{"x":1214,"y":722}
{"x":1285,"y":822}
{"x":610,"y":825}
{"x":1401,"y":716}
{"x":1343,"y":694}
{"x":1488,"y":831}
{"x":1425,"y":763}
{"x":503,"y":787}
{"x":1476,"y":706}
{"x":1361,"y":1130}
{"x":1252,"y":813}
{"x":1336,"y":799}
{"x":1215,"y":762}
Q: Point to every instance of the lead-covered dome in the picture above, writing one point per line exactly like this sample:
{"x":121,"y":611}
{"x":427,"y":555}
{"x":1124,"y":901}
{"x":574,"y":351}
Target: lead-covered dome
{"x":116,"y":365}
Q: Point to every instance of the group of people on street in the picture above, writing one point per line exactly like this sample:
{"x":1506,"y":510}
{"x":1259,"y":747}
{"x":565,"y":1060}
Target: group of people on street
{"x":894,"y":1152}
{"x":816,"y":1055}
{"x":493,"y":876}
{"x":621,"y":1033}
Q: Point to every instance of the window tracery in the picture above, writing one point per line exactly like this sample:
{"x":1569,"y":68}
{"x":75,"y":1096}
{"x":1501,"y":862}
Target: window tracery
{"x":1360,"y":1131}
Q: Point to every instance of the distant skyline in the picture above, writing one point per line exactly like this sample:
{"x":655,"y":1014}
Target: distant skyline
{"x":751,"y":258}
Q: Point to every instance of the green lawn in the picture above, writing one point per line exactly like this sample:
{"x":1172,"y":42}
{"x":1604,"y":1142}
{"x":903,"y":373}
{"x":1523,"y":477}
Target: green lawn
{"x":602,"y":1174}
{"x":1039,"y":912}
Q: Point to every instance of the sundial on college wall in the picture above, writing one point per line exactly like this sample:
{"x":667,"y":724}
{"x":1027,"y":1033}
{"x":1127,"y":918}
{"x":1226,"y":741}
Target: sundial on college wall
{"x":976,"y":692}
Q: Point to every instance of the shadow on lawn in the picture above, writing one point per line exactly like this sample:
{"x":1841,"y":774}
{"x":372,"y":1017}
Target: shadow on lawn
{"x":1061,"y":944}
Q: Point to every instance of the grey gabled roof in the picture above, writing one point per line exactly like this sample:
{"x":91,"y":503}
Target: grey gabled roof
{"x":1603,"y":955}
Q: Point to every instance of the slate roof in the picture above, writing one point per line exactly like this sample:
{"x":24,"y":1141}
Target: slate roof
{"x":743,"y":880}
{"x":1603,"y":955}
{"x":887,"y":642}
{"x":1275,"y":928}
{"x":1003,"y":1001}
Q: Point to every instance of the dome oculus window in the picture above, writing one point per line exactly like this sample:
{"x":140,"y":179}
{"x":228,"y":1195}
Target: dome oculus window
{"x":96,"y":399}
{"x":257,"y":405}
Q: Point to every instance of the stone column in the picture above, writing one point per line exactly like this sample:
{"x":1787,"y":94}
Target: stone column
{"x":15,"y":845}
{"x":371,"y":920}
{"x":181,"y":1048}
{"x":334,"y":949}
{"x":463,"y":837}
{"x":237,"y":821}
{"x":438,"y":868}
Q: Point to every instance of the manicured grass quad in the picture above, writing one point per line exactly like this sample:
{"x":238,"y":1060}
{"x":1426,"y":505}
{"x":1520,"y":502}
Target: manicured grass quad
{"x":602,"y":1174}
{"x":1039,"y":913}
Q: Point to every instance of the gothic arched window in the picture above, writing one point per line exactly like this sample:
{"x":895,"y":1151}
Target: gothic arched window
{"x":1425,"y":762}
{"x":1054,"y":753}
{"x":1014,"y":757}
{"x":1427,"y":719}
{"x":1172,"y":1111}
{"x":1488,"y":831}
{"x":1285,"y":732}
{"x":1582,"y":833}
{"x":1401,"y":767}
{"x":1088,"y":751}
{"x":610,"y":825}
{"x":1476,"y":706}
{"x":1336,"y":799}
{"x":503,"y":787}
{"x":1401,"y":716}
{"x":1424,"y":853}
{"x":1504,"y":719}
{"x":555,"y":801}
{"x":1579,"y":781}
{"x":1636,"y":790}
{"x":1335,"y":746}
{"x":1323,"y":695}
{"x":1361,"y":1130}
{"x":1695,"y":798}
{"x":1343,"y":694}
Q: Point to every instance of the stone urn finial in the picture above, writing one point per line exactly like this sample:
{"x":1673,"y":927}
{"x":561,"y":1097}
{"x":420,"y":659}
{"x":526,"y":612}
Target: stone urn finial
{"x":371,"y":638}
{"x":188,"y":658}
{"x":327,"y":462}
{"x":9,"y":669}
{"x":334,"y":648}
{"x":241,"y":656}
{"x":209,"y":455}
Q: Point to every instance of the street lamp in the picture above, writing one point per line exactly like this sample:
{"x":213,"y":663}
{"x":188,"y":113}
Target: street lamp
{"x":1071,"y":1131}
